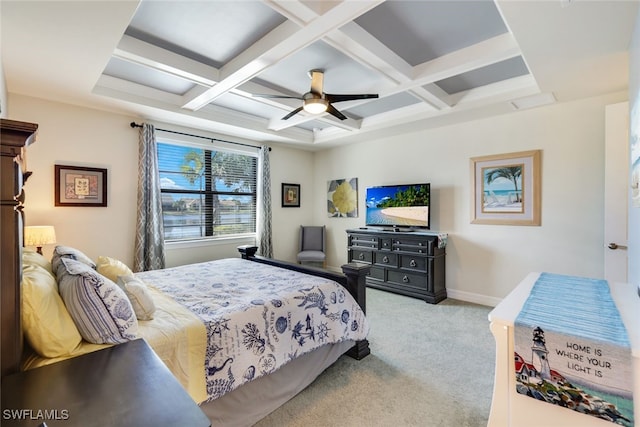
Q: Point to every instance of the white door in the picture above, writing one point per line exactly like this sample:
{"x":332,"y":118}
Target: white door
{"x":616,"y":191}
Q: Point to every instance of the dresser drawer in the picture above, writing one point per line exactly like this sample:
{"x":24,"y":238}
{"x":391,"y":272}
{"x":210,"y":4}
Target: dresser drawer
{"x":377,"y":273}
{"x":364,"y":241}
{"x":413,"y":262}
{"x":417,"y":246}
{"x":407,"y":279}
{"x":361,"y":256}
{"x":385,"y":258}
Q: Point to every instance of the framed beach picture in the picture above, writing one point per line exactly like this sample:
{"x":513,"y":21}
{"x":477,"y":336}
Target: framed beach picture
{"x":290,"y":195}
{"x":505,"y":188}
{"x":80,"y":186}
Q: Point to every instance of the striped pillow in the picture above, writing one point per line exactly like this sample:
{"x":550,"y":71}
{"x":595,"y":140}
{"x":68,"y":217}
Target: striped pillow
{"x":98,"y":307}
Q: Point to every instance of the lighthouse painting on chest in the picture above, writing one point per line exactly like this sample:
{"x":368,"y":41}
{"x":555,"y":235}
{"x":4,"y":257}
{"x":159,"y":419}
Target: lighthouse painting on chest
{"x":571,"y":348}
{"x":590,"y":377}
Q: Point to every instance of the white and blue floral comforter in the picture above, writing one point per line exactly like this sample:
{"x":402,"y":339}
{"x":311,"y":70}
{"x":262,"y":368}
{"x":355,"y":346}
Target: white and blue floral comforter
{"x":258,"y":317}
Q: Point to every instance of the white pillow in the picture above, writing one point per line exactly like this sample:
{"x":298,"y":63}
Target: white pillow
{"x":139,"y":296}
{"x":100,"y":309}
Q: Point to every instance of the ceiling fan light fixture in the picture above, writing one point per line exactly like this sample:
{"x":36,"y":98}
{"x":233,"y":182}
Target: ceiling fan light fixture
{"x":315,"y":105}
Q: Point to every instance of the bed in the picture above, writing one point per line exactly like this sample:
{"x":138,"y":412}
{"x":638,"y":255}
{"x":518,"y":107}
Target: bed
{"x":239,"y":388}
{"x":242,"y":335}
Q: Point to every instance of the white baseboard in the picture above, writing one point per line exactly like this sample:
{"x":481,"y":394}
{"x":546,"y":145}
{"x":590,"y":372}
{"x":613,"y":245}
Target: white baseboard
{"x":460,"y":295}
{"x":473,"y":297}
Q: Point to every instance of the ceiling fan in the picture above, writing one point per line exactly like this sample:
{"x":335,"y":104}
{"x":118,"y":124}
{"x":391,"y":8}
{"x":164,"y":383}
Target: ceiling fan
{"x":316,"y":101}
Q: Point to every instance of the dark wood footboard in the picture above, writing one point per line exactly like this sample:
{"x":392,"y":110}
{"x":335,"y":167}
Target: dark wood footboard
{"x":353,"y":280}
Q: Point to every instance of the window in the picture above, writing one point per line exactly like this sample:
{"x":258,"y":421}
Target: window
{"x":206,"y":192}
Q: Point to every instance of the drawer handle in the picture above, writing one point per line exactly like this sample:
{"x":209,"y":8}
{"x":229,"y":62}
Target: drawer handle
{"x":405,"y":279}
{"x":421,"y":251}
{"x":361,"y":256}
{"x":413,"y":263}
{"x":385,"y":259}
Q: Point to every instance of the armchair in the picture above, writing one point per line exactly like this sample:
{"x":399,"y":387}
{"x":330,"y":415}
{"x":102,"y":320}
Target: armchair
{"x":312,"y":245}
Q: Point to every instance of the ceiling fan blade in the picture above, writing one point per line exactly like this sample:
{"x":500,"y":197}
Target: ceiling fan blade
{"x":334,"y":112}
{"x":266,"y":95}
{"x":317,"y":79}
{"x":339,"y":98}
{"x":291,"y":114}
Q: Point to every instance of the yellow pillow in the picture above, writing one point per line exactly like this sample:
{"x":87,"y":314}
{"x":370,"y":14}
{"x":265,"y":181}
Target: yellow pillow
{"x":112,"y":268}
{"x":47,"y":324}
{"x":31,"y":257}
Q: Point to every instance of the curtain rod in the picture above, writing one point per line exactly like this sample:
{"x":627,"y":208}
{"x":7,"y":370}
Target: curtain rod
{"x":136,"y":125}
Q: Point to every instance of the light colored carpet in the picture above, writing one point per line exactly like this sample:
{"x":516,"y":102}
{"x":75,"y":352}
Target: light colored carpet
{"x":430,"y":365}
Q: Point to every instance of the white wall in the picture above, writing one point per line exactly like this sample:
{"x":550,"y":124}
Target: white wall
{"x":72,"y":135}
{"x":290,"y":166}
{"x":634,"y":133}
{"x":78,"y":136}
{"x":485,"y":262}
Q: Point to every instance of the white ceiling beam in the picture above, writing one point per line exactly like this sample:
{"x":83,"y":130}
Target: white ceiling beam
{"x":281,"y":42}
{"x":294,"y":10}
{"x":117,"y":85}
{"x":139,"y":52}
{"x":169,"y":103}
{"x":491,"y":51}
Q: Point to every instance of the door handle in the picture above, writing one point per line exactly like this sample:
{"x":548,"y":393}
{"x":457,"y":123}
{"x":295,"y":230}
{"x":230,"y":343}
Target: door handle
{"x":614,"y":246}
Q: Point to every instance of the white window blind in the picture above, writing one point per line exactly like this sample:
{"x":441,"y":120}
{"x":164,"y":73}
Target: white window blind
{"x":206,"y":192}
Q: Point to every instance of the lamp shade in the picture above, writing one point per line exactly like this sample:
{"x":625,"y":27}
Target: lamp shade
{"x":39,"y":235}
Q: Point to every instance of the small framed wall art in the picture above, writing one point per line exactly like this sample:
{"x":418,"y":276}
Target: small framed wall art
{"x":505,"y":188}
{"x":80,"y":186}
{"x":290,"y":195}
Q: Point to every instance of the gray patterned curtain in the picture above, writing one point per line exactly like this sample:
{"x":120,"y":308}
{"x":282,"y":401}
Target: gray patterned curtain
{"x":265,"y":247}
{"x":149,"y":251}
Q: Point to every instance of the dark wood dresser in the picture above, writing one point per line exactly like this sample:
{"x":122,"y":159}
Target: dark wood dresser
{"x":407,"y":263}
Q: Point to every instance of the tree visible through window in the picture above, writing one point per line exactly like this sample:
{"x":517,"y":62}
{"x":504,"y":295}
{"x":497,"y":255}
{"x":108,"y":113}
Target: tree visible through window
{"x":206,"y":193}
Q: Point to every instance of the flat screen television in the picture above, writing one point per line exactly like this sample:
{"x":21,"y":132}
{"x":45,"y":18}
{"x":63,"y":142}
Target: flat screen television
{"x":394,"y":206}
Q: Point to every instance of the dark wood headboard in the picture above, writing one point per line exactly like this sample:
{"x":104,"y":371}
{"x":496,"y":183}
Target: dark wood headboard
{"x":15,"y":137}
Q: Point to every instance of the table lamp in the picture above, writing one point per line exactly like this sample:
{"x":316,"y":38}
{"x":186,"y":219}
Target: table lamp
{"x":39,"y":235}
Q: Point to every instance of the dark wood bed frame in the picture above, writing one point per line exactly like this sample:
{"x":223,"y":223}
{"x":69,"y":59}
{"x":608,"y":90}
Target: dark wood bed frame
{"x":15,"y":137}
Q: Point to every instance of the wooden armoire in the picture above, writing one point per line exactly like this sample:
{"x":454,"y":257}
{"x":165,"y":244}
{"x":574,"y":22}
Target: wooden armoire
{"x":15,"y":137}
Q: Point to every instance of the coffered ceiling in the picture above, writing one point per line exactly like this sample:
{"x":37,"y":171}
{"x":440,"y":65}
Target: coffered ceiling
{"x":200,"y":64}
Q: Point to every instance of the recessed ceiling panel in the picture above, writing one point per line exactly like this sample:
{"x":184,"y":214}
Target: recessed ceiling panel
{"x":342,"y":74}
{"x":493,"y":73}
{"x":419,"y":31}
{"x":383,"y":105}
{"x":148,"y":77}
{"x":212,"y":32}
